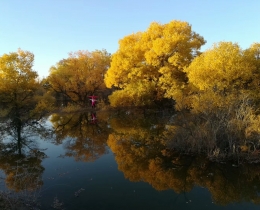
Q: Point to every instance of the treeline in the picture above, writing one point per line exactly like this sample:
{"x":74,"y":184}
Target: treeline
{"x":163,"y":62}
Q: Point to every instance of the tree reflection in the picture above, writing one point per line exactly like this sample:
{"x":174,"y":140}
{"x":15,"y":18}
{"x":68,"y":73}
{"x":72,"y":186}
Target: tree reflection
{"x":84,"y":134}
{"x":141,"y":154}
{"x":23,"y":172}
{"x":20,"y":157}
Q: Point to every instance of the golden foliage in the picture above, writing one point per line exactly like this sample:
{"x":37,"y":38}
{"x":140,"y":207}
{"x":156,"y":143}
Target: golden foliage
{"x":80,"y":75}
{"x":154,"y":58}
{"x":19,"y":87}
{"x":135,"y":94}
{"x":222,"y":68}
{"x":17,"y":80}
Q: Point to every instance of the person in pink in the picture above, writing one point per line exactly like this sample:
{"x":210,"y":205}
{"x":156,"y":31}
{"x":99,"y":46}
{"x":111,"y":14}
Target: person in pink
{"x":93,"y":101}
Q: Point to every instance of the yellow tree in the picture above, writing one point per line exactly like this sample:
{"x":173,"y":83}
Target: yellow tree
{"x":253,"y":55}
{"x":18,"y":83}
{"x":149,"y":65}
{"x":225,"y":80}
{"x":222,"y":68}
{"x":80,"y":75}
{"x":221,"y":74}
{"x":21,"y":92}
{"x":20,"y":96}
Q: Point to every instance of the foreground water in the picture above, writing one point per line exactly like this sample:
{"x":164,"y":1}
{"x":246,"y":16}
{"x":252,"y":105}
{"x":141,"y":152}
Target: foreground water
{"x":119,"y":165}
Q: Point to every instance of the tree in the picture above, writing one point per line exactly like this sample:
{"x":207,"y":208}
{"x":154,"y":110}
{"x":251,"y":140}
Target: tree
{"x":223,"y":75}
{"x":152,"y":60}
{"x":224,"y":68}
{"x":253,"y":55}
{"x":18,"y":84}
{"x":20,"y":100}
{"x":223,"y":82}
{"x":80,"y":75}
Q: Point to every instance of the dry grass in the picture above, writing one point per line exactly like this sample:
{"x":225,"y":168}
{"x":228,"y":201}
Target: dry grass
{"x":232,"y":131}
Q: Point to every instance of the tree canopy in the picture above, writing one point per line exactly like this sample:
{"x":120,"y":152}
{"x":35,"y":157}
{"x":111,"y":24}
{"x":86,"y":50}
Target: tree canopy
{"x":80,"y":75}
{"x":149,"y":65}
{"x":20,"y":90}
{"x":224,"y":67}
{"x":223,"y":75}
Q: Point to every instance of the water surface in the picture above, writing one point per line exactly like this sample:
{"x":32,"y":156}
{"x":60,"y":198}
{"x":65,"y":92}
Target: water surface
{"x":121,"y":163}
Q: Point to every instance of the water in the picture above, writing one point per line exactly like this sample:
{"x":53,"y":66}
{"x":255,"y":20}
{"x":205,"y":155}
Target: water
{"x":121,"y":166}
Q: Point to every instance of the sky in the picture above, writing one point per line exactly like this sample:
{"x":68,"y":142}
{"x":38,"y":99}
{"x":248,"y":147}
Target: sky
{"x":51,"y":29}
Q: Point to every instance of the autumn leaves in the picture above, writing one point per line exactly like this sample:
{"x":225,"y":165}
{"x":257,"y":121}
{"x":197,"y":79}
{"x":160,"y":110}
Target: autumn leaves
{"x":148,"y":66}
{"x":79,"y":76}
{"x":165,"y":62}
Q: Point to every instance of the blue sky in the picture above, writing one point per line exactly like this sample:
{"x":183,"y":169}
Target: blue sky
{"x":53,"y":28}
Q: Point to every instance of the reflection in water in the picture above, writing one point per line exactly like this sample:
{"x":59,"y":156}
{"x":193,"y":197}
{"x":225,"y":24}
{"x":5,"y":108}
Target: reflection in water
{"x":85,"y":136}
{"x":139,"y":145}
{"x":23,"y":172}
{"x":142,"y":156}
{"x":20,"y":157}
{"x":93,"y":117}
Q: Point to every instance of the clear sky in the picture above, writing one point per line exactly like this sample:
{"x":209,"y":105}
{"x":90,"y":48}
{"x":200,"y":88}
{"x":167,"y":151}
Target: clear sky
{"x":52,"y":28}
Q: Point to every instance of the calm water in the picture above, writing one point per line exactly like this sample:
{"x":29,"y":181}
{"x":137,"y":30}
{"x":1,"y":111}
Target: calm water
{"x":120,"y":163}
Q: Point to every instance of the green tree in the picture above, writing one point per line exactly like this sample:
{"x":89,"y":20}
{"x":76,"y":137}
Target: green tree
{"x":149,"y":65}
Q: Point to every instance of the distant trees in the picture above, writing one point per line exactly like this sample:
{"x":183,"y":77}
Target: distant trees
{"x":148,"y":66}
{"x":224,"y":75}
{"x":163,"y":62}
{"x":79,"y":75}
